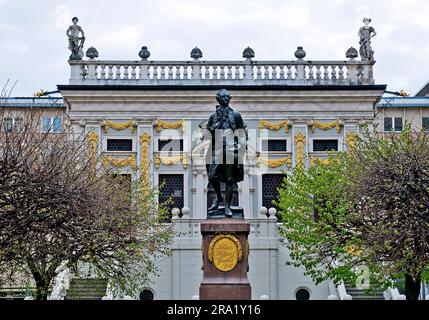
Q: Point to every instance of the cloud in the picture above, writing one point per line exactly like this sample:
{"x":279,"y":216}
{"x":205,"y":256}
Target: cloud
{"x":222,"y":29}
{"x":226,"y":12}
{"x":15,"y":48}
{"x":123,"y":38}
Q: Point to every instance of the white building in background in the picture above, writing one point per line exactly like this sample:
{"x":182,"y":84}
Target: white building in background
{"x":151,"y":113}
{"x":393,"y":111}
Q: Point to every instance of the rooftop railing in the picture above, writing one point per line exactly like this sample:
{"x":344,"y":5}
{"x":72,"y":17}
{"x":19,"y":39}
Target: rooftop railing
{"x":246,"y":72}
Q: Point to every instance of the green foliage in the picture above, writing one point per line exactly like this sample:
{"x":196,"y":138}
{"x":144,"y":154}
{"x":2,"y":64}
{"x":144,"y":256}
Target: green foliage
{"x":314,"y":208}
{"x":368,"y":209}
{"x":389,"y":182}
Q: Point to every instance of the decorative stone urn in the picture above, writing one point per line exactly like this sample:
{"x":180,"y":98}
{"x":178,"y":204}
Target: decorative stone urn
{"x":352,"y":53}
{"x":144,"y":53}
{"x":196,"y":53}
{"x":92,"y":53}
{"x":300,"y":53}
{"x":248,"y":53}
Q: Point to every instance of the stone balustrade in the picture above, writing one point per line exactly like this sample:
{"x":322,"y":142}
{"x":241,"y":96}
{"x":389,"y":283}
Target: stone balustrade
{"x":246,"y":72}
{"x":260,"y":228}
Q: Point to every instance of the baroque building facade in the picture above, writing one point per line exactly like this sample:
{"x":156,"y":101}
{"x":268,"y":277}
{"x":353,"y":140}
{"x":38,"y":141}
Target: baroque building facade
{"x":151,"y":115}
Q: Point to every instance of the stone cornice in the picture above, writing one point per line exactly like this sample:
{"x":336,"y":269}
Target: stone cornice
{"x":369,"y":94}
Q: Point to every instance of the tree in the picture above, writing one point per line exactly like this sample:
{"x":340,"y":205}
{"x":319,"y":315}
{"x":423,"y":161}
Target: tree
{"x":370,"y":208}
{"x":389,"y":181}
{"x":314,"y":211}
{"x":56,"y":212}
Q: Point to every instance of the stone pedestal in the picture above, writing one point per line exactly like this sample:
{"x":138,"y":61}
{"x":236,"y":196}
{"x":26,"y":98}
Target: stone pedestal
{"x":225,"y":260}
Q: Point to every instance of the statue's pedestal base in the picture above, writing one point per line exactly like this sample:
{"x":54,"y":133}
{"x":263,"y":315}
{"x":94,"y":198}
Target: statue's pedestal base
{"x":237,"y":213}
{"x":225,"y":257}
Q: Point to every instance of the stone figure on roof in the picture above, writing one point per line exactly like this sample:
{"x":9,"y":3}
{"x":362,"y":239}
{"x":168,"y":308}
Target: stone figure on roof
{"x":365,"y":34}
{"x":76,"y":40}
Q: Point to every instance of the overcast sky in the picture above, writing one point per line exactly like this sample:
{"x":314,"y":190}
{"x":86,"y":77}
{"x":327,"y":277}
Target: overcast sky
{"x":33,"y":44}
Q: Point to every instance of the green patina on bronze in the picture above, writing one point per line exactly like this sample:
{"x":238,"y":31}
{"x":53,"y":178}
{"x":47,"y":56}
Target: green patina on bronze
{"x":228,"y":145}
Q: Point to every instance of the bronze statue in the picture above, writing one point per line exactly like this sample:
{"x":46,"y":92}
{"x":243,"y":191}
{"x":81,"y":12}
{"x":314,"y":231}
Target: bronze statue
{"x":228,"y":145}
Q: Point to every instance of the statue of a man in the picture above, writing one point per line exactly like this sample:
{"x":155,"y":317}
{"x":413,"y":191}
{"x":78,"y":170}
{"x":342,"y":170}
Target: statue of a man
{"x":76,"y":40}
{"x":228,"y":146}
{"x":365,"y":34}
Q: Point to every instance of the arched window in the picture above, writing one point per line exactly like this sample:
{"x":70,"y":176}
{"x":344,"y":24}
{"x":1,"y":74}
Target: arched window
{"x":302,"y":294}
{"x":146,"y":295}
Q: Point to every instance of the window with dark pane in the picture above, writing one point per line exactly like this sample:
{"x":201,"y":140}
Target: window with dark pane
{"x":270,"y":185}
{"x":302,"y":294}
{"x":425,"y":123}
{"x":388,"y":124}
{"x":398,"y":124}
{"x":211,"y":195}
{"x":171,"y":185}
{"x":119,"y":145}
{"x":273,"y":145}
{"x":393,"y":124}
{"x":7,"y":124}
{"x":146,"y":295}
{"x":170,"y":145}
{"x":325,"y":145}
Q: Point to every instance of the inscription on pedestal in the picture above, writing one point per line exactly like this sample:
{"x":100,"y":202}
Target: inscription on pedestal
{"x":225,"y":252}
{"x":225,"y":260}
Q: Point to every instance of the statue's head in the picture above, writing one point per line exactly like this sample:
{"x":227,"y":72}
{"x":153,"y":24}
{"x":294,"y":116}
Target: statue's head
{"x":223,"y":97}
{"x":75,"y":20}
{"x":366,"y":20}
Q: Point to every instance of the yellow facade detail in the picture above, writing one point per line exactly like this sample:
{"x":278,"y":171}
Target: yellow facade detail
{"x":337,"y":124}
{"x":264,"y":124}
{"x":161,"y":124}
{"x":119,"y":162}
{"x":300,"y":149}
{"x":119,"y":126}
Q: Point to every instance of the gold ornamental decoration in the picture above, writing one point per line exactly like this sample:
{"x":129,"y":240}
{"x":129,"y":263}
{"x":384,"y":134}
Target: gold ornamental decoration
{"x":264,"y":124}
{"x":337,"y":124}
{"x":92,"y":140}
{"x":119,"y":162}
{"x":161,"y":124}
{"x":145,"y":140}
{"x":119,"y":126}
{"x":274,"y":163}
{"x":351,"y":141}
{"x":316,"y":160}
{"x":300,"y":149}
{"x":225,"y":252}
{"x":171,"y":160}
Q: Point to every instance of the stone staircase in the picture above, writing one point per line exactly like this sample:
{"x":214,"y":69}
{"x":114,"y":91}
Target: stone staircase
{"x":362,"y":294}
{"x":86,"y":289}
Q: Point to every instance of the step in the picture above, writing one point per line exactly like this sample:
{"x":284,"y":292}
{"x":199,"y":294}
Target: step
{"x":86,"y":289}
{"x":87,"y":286}
{"x":367,"y":298}
{"x":364,"y":292}
{"x":83,"y":298}
{"x":72,"y":291}
{"x":99,"y":282}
